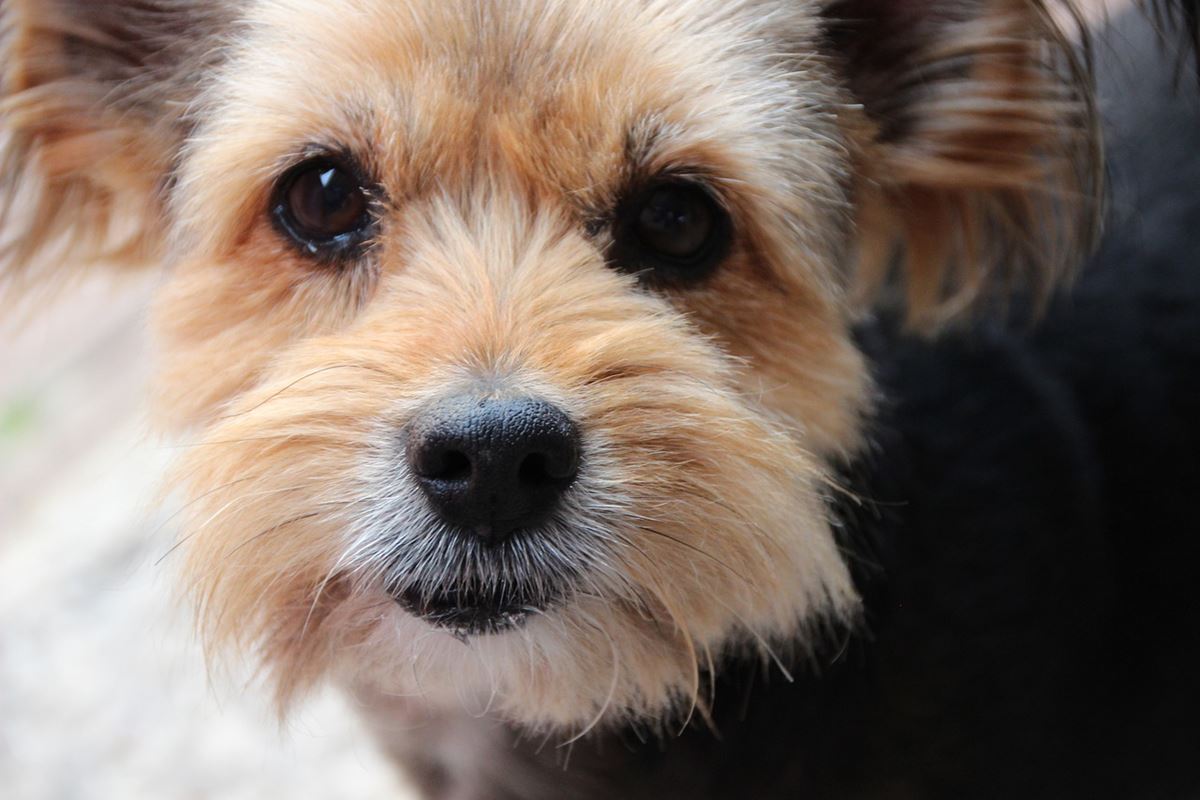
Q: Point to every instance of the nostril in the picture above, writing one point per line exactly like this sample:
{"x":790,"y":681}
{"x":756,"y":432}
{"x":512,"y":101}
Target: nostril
{"x":542,"y":468}
{"x":454,"y":466}
{"x":533,"y":471}
{"x":440,"y":461}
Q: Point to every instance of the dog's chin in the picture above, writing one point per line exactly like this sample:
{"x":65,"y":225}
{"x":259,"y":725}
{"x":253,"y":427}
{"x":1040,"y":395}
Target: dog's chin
{"x":471,"y":612}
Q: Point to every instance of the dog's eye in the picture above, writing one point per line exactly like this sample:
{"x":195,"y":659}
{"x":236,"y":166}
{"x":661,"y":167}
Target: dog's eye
{"x":672,"y":231}
{"x":323,"y":206}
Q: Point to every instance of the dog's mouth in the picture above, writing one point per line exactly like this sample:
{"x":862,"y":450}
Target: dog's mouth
{"x":471,"y":611}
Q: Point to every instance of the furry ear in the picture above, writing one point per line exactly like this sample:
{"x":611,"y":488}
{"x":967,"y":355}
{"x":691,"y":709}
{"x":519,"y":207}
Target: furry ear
{"x":94,"y":103}
{"x":1183,"y":15}
{"x":979,"y":154}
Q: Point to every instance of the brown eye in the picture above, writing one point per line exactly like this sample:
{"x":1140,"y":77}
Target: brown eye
{"x":323,"y":206}
{"x":672,"y":231}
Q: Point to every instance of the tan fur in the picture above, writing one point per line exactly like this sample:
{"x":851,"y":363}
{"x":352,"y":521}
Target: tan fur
{"x":92,"y":120}
{"x":979,"y":168}
{"x":501,"y":136}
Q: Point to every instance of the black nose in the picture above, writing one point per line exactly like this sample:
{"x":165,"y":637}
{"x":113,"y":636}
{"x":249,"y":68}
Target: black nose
{"x":494,"y":464}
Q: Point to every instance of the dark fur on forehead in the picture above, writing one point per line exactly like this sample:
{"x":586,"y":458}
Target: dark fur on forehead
{"x":95,"y":101}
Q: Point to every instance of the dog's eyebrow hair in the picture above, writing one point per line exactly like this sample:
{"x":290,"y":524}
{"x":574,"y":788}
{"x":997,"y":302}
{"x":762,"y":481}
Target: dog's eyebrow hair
{"x":640,"y":141}
{"x":647,"y":156}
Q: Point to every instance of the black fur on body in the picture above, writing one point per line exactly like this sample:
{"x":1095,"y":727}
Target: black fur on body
{"x":1027,"y":546}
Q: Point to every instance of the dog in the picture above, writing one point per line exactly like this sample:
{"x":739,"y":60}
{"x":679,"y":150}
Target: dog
{"x":657,"y":399}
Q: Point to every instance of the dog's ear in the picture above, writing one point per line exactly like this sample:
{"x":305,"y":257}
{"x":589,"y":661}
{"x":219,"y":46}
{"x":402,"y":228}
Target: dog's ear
{"x":1179,"y":15}
{"x":979,"y":161}
{"x":94,"y":104}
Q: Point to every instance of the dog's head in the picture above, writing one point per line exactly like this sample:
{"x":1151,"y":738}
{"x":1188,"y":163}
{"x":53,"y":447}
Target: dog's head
{"x":516,"y":335}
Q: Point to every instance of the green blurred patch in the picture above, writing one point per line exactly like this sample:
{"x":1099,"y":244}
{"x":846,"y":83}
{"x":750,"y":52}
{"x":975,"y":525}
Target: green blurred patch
{"x":18,"y":417}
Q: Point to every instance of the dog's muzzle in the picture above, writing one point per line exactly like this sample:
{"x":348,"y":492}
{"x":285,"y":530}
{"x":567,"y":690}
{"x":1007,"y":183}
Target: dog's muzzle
{"x":494,"y":469}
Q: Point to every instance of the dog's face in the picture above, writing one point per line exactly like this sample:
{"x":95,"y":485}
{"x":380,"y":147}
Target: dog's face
{"x":515,"y":336}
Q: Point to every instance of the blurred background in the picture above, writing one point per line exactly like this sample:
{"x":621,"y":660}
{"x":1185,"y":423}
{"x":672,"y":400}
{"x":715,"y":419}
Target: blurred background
{"x":104,"y":692}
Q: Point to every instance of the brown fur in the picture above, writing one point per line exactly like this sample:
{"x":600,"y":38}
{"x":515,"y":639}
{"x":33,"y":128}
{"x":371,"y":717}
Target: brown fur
{"x":95,"y":106}
{"x":983,"y":165}
{"x":841,"y":136}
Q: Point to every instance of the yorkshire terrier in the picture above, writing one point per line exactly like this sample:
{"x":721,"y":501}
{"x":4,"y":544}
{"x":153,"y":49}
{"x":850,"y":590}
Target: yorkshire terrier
{"x":647,"y":399}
